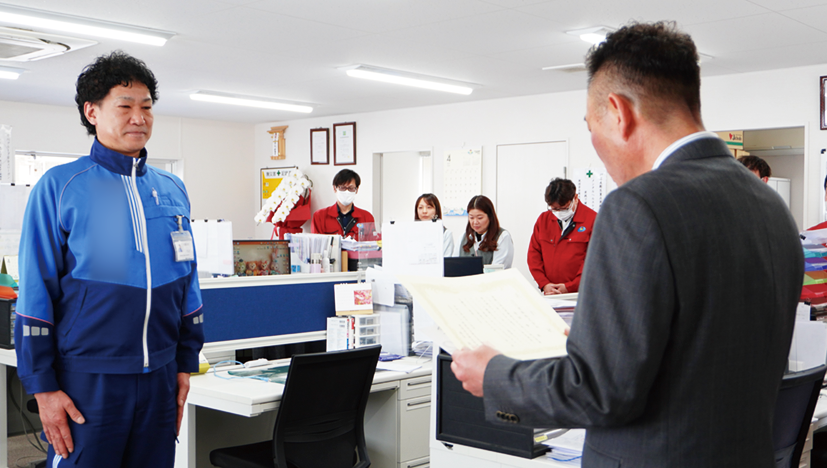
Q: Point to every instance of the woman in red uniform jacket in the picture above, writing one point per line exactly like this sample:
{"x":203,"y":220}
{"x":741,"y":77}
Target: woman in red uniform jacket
{"x":561,"y":236}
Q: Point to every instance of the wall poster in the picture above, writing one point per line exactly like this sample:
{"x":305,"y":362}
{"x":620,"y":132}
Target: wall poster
{"x":271,"y":177}
{"x":591,"y":186}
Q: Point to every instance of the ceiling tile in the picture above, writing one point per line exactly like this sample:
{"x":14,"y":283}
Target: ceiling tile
{"x":377,"y":50}
{"x":815,"y":17}
{"x":752,"y":33}
{"x":489,"y":33}
{"x":377,"y":15}
{"x":539,"y":57}
{"x":577,"y":15}
{"x":776,"y":57}
{"x":290,"y":49}
{"x":782,"y":5}
{"x":516,"y":3}
{"x":263,"y":31}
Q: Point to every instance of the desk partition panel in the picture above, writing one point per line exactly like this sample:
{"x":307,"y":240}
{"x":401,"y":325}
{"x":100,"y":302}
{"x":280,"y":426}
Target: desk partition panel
{"x":234,"y":313}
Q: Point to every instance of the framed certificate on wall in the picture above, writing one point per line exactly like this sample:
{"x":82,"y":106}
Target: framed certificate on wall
{"x":344,"y":143}
{"x":823,"y":115}
{"x":319,"y":145}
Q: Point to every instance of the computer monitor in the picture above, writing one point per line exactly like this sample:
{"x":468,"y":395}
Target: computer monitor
{"x":462,"y":266}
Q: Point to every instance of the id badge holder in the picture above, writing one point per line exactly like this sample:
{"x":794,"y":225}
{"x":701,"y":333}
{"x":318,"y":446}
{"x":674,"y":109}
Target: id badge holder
{"x":182,"y":244}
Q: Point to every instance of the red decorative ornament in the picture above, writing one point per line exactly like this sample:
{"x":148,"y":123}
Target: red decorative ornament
{"x":299,"y":215}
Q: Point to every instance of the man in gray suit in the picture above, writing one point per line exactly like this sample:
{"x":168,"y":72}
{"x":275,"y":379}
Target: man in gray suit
{"x":689,"y":290}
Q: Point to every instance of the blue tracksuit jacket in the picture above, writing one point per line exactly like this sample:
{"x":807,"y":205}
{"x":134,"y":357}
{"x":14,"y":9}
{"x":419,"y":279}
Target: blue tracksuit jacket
{"x":100,"y":290}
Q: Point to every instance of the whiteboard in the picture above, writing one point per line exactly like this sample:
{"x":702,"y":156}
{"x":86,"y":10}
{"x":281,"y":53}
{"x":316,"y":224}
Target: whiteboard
{"x":213,"y":245}
{"x":6,"y":163}
{"x":13,"y":199}
{"x":523,"y":172}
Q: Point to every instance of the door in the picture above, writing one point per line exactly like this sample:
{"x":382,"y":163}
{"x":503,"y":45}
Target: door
{"x":405,"y":176}
{"x":523,"y":172}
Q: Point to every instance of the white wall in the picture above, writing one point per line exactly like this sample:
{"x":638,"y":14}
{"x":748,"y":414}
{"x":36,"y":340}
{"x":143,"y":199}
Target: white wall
{"x":222,"y":159}
{"x":548,"y":117}
{"x":781,"y":98}
{"x":217,"y":156}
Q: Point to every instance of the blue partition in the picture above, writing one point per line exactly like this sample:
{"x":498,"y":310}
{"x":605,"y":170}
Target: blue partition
{"x":257,"y":311}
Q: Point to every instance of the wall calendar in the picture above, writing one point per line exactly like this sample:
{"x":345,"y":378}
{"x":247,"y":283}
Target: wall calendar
{"x":462,"y":169}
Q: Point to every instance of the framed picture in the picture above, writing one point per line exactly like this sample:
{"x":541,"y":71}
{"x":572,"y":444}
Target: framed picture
{"x":344,"y":144}
{"x":319,"y":145}
{"x":823,"y":115}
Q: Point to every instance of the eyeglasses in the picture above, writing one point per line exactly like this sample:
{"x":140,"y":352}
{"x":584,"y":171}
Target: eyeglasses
{"x":568,"y":205}
{"x":347,"y":188}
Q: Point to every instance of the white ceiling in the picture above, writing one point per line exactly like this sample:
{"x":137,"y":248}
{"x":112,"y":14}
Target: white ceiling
{"x":292,"y":49}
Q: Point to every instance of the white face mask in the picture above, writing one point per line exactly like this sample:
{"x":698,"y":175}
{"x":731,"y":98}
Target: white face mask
{"x":565,"y":215}
{"x":345,"y":198}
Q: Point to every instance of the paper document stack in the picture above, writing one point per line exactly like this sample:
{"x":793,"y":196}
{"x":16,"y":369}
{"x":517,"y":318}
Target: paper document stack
{"x":350,"y":244}
{"x":568,"y":447}
{"x":815,"y":266}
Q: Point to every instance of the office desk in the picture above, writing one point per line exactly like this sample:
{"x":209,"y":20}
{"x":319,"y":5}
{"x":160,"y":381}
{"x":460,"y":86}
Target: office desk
{"x":397,"y":399}
{"x":460,"y":456}
{"x":229,"y":327}
{"x":819,"y":421}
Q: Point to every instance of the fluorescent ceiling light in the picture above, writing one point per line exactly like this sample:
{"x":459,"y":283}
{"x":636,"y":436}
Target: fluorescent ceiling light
{"x":408,"y":79}
{"x":262,"y":103}
{"x":10,"y":73}
{"x":20,"y":16}
{"x":592,"y":35}
{"x":572,"y":66}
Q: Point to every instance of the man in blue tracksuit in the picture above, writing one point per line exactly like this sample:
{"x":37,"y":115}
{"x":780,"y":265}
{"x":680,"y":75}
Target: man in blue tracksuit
{"x":109,"y":314}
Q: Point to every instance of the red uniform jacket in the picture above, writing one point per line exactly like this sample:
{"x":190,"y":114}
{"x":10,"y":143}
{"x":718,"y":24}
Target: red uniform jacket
{"x":818,"y":226}
{"x":325,"y":220}
{"x":553,"y":259}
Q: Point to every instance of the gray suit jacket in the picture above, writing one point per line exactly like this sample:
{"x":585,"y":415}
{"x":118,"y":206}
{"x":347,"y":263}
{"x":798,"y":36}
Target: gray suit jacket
{"x":683,"y":325}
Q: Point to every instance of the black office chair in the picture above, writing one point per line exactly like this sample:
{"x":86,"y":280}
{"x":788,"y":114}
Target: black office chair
{"x":320,"y":421}
{"x":794,"y":408}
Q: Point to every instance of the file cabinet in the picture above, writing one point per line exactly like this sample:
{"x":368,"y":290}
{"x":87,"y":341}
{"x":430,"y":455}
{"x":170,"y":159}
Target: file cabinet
{"x":397,"y":424}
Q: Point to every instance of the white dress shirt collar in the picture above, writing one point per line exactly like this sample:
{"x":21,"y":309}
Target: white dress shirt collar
{"x":677,"y":144}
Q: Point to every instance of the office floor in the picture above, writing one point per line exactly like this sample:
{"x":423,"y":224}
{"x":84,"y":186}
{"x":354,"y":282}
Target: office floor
{"x":22,"y":453}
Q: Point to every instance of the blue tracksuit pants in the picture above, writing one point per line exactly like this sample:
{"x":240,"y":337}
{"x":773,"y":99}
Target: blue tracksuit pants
{"x":130,"y":419}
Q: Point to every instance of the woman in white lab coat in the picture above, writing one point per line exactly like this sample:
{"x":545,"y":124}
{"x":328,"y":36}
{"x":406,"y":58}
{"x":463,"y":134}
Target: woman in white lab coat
{"x":428,"y":209}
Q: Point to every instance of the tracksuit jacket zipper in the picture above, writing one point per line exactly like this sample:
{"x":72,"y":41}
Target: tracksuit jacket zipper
{"x":145,"y":247}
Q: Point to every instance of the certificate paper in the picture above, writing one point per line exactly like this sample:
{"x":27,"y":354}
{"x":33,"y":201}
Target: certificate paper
{"x":499,"y":309}
{"x":319,"y":143}
{"x":344,"y":143}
